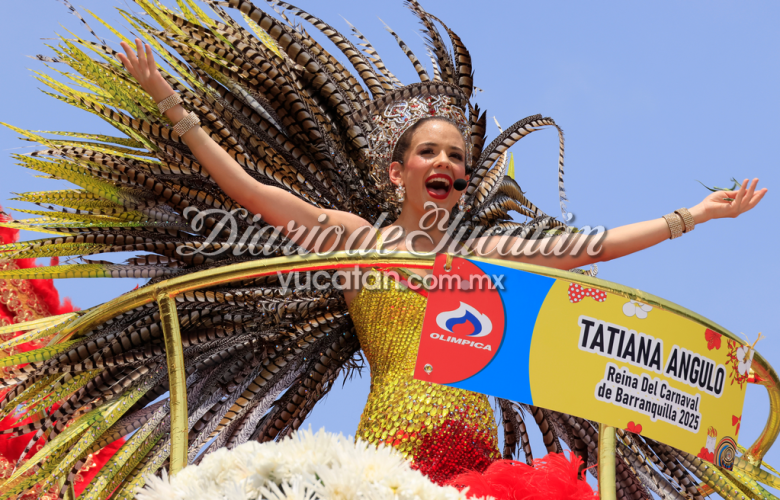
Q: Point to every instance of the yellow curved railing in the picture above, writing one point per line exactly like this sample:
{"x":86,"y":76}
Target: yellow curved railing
{"x":165,"y":292}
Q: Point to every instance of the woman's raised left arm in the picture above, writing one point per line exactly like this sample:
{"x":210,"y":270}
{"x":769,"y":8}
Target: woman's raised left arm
{"x":568,"y":251}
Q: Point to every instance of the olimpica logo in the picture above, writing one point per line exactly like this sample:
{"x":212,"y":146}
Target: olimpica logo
{"x":481,"y":325}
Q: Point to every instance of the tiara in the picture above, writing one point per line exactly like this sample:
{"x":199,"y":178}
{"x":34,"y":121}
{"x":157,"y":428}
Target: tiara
{"x":388,"y":126}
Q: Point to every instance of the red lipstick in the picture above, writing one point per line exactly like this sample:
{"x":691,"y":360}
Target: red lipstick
{"x":439,"y":186}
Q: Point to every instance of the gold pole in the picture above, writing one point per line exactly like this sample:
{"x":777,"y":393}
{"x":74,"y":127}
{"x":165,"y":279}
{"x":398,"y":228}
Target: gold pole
{"x":607,"y":483}
{"x":176,"y":381}
{"x":762,"y":373}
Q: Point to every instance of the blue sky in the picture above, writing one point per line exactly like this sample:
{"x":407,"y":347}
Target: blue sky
{"x":653,"y":97}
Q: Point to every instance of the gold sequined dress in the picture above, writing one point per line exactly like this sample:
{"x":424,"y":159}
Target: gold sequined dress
{"x":444,"y":431}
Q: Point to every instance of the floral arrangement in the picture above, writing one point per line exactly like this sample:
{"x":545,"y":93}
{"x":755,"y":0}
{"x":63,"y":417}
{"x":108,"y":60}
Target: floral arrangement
{"x":306,"y":466}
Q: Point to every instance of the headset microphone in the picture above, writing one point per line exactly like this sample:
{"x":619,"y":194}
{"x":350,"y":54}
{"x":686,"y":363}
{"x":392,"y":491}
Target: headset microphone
{"x":460,"y":184}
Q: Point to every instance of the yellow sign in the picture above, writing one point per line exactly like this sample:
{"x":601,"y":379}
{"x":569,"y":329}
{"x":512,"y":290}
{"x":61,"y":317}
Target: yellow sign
{"x":640,"y":368}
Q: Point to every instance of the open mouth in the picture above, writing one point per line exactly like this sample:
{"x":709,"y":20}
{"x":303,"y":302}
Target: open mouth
{"x":439,"y":186}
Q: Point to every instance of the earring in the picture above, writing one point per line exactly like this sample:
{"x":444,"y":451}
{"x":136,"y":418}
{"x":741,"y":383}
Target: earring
{"x":400,"y":193}
{"x":462,"y":201}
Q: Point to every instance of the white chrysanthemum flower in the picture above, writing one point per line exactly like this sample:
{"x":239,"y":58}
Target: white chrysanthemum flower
{"x":337,"y":484}
{"x":302,"y":467}
{"x":188,"y":475}
{"x":294,"y":490}
{"x":373,"y":464}
{"x":420,"y":488}
{"x":231,"y":491}
{"x":636,"y":308}
{"x":156,"y":487}
{"x":310,"y":448}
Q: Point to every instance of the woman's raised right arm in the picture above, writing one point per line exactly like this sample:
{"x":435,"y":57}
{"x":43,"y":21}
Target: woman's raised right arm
{"x":277,"y":206}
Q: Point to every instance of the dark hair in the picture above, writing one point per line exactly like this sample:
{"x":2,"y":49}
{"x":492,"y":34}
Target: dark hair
{"x":402,"y":146}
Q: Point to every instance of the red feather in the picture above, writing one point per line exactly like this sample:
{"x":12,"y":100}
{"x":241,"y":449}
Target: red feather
{"x":552,"y":477}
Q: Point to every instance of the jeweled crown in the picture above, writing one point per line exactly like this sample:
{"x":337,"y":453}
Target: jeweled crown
{"x":389,"y":125}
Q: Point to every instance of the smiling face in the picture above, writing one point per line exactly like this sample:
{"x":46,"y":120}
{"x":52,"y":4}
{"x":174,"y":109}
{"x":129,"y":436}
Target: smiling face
{"x":434,"y":160}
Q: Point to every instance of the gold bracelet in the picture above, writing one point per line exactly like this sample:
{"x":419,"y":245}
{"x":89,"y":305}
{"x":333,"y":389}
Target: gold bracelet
{"x":675,"y":225}
{"x":186,"y":123}
{"x":687,"y":219}
{"x":169,"y":102}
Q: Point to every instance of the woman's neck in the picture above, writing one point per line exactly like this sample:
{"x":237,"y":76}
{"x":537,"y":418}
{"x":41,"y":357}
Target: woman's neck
{"x":420,"y":232}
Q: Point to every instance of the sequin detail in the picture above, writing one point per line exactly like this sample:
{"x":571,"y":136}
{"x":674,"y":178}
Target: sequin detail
{"x":444,"y":431}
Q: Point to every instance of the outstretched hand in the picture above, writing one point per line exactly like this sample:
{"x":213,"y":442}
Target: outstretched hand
{"x":141,"y":65}
{"x":723,"y":204}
